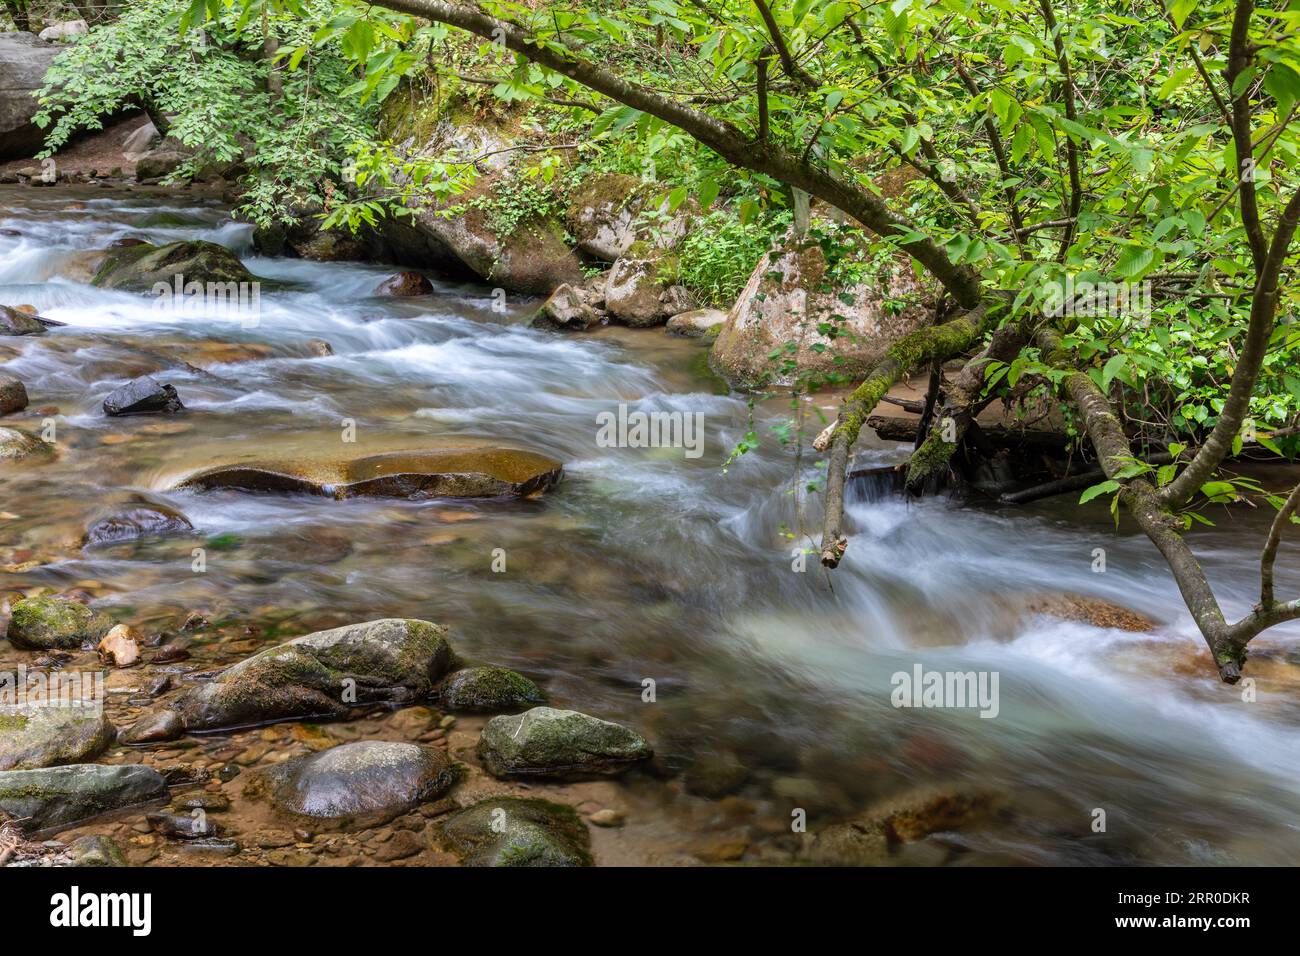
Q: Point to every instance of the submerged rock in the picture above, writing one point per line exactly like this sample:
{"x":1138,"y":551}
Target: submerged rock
{"x":135,"y":519}
{"x":488,"y":690}
{"x":323,"y":674}
{"x":15,"y":445}
{"x":364,"y":783}
{"x":59,"y":796}
{"x":13,"y":395}
{"x":1089,"y":610}
{"x":545,"y":742}
{"x":405,"y":285}
{"x":140,"y":268}
{"x":468,"y":473}
{"x":511,"y":831}
{"x":45,"y":735}
{"x":143,"y":396}
{"x":902,"y":819}
{"x":43,"y":623}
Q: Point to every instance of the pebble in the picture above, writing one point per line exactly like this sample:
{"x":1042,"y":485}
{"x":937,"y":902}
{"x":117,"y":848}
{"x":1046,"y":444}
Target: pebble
{"x":607,"y":818}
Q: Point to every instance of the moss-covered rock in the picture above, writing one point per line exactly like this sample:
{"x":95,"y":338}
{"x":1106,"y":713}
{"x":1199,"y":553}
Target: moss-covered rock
{"x":95,"y":850}
{"x":356,"y":784}
{"x":42,"y":623}
{"x":33,"y":736}
{"x":60,"y":796}
{"x":15,"y":322}
{"x":323,"y":674}
{"x":140,"y":268}
{"x":488,"y":690}
{"x":17,"y":445}
{"x":560,"y":744}
{"x":511,"y":831}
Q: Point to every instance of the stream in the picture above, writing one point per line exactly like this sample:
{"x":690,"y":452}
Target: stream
{"x":772,"y":686}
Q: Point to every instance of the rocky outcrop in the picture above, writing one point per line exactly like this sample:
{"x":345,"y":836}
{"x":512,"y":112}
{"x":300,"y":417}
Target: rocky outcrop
{"x":510,"y":831}
{"x":357,"y":784}
{"x":46,"y":735}
{"x":465,"y":473}
{"x":143,"y":396}
{"x":795,"y":296}
{"x":559,"y":744}
{"x":43,"y":623}
{"x":488,"y":690}
{"x":23,"y":62}
{"x":140,"y":268}
{"x":60,"y":796}
{"x":323,"y":674}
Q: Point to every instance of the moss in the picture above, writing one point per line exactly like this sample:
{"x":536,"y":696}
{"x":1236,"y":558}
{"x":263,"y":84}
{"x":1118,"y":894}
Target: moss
{"x":44,"y":622}
{"x":929,"y":459}
{"x":13,"y":723}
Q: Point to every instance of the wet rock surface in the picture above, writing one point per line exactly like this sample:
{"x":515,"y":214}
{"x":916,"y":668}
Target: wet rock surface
{"x":369,"y":782}
{"x":57,"y":796}
{"x":488,"y":690}
{"x":42,"y":623}
{"x":135,"y":519}
{"x":563,"y":744}
{"x":468,"y":473}
{"x":321,"y":674}
{"x":141,"y":268}
{"x":512,"y":831}
{"x":143,"y":396}
{"x":33,"y":736}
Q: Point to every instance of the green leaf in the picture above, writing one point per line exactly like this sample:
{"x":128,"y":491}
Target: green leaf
{"x":1104,"y":488}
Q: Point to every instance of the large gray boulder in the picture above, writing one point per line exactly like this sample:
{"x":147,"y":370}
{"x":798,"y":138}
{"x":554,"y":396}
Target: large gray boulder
{"x":59,"y":796}
{"x":48,"y":622}
{"x":44,"y":735}
{"x":559,"y":744}
{"x":324,"y":674}
{"x":23,"y":61}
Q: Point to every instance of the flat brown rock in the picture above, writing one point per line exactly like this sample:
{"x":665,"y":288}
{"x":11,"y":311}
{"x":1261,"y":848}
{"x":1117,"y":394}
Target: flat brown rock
{"x":449,"y":473}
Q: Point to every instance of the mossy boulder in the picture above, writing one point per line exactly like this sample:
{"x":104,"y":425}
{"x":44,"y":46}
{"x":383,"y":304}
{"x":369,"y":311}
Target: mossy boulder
{"x":141,"y":268}
{"x":559,"y":744}
{"x":43,"y":623}
{"x":512,"y":831}
{"x":93,"y":850}
{"x":794,"y":294}
{"x":324,"y":674}
{"x":488,"y":690}
{"x":60,"y":796}
{"x":365,"y":783}
{"x":15,"y":322}
{"x":602,"y":214}
{"x":34,"y":736}
{"x":13,"y":394}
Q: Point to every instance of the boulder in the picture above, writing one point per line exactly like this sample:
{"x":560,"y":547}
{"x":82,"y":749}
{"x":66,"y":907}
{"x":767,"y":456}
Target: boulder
{"x":59,"y":796}
{"x":323,"y":674}
{"x":162,"y":160}
{"x":561,"y":744}
{"x":570,"y":308}
{"x":603,"y":212}
{"x":45,"y":623}
{"x":467,"y":473}
{"x":16,"y":445}
{"x":48,"y":734}
{"x":365,"y":783}
{"x":64,"y":29}
{"x":513,"y":831}
{"x":23,"y":61}
{"x":488,"y":690}
{"x":13,"y":395}
{"x":793,"y":296}
{"x":15,"y":322}
{"x":140,"y":142}
{"x":636,"y":290}
{"x":305,"y":239}
{"x":93,"y":850}
{"x":141,"y":268}
{"x":405,"y":285}
{"x":143,"y":396}
{"x":137,"y":518}
{"x":697,"y":322}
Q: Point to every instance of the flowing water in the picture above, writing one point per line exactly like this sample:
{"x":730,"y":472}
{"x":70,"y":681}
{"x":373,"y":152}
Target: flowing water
{"x":643,"y":564}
